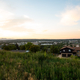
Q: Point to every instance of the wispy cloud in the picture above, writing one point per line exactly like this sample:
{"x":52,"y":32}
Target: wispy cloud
{"x":17,"y":26}
{"x":16,"y":22}
{"x":25,"y":16}
{"x":8,"y":21}
{"x":12,"y":22}
{"x":70,"y":16}
{"x":5,"y":16}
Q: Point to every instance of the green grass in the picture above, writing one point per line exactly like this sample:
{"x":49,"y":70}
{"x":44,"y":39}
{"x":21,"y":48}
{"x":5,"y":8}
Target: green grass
{"x":37,"y":66}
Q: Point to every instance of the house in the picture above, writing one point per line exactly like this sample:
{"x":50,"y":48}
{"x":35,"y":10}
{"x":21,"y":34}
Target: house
{"x":77,"y":50}
{"x":67,"y":51}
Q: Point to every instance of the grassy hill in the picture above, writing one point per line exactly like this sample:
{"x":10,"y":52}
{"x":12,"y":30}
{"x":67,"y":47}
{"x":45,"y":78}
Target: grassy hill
{"x":37,"y":66}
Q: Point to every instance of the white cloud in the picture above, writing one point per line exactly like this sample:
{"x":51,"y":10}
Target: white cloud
{"x":12,"y":25}
{"x":9,"y":24}
{"x":71,"y":16}
{"x":25,"y":16}
{"x":10,"y":21}
{"x":5,"y":16}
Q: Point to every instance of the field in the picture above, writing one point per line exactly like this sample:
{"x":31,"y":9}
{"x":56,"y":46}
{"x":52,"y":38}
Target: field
{"x":37,"y":66}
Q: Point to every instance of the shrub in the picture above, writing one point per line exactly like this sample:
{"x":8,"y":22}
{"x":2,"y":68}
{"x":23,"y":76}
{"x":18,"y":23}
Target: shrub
{"x":74,"y":57}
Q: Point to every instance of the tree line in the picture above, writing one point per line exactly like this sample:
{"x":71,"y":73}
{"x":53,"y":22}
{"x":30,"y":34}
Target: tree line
{"x":34,"y":48}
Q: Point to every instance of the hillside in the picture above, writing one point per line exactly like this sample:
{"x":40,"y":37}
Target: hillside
{"x":37,"y":66}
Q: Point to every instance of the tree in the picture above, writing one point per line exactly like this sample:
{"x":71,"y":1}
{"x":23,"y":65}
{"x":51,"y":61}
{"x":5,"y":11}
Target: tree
{"x":45,"y":48}
{"x":54,"y":49}
{"x":22,"y":47}
{"x":5,"y":47}
{"x":9,"y":47}
{"x":34,"y":48}
{"x":28,"y":45}
{"x":17,"y":46}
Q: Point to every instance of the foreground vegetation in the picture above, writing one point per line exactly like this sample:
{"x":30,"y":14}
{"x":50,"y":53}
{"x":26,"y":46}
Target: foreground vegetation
{"x":37,"y":66}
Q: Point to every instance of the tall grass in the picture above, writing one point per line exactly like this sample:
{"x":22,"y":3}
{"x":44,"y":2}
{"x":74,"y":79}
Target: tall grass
{"x":37,"y":66}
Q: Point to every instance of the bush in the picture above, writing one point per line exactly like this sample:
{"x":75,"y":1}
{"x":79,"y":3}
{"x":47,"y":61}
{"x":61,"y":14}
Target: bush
{"x":74,"y":57}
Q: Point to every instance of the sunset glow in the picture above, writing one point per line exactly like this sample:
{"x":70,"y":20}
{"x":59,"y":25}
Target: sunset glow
{"x":40,"y":19}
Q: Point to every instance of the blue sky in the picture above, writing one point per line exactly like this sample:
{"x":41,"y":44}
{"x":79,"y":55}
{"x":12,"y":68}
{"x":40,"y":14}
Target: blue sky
{"x":40,"y":19}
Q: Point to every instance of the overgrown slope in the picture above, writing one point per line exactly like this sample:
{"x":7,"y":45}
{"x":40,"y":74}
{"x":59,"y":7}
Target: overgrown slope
{"x":37,"y":66}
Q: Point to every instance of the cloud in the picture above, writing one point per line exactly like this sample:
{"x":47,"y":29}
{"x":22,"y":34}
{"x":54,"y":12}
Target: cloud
{"x":19,"y":24}
{"x":25,"y":16}
{"x":45,"y":30}
{"x":18,"y":21}
{"x":5,"y":16}
{"x":22,"y":23}
{"x":71,"y":16}
{"x":20,"y":29}
{"x":12,"y":25}
{"x":9,"y":21}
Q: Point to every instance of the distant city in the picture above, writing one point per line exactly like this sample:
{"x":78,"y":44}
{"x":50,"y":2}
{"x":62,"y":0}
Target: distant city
{"x":19,"y":42}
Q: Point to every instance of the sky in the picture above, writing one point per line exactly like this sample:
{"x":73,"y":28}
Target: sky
{"x":40,"y":19}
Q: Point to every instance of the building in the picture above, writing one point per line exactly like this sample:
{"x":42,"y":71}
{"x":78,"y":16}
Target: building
{"x":35,"y":43}
{"x":67,"y":51}
{"x":77,"y":45}
{"x":46,"y":44}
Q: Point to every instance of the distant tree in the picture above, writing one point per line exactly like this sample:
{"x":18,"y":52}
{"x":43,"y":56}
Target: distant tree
{"x":9,"y":47}
{"x":71,"y":45}
{"x":67,"y":43}
{"x":17,"y":47}
{"x":45,"y":48}
{"x":54,"y":49}
{"x":12,"y":47}
{"x":22,"y":47}
{"x":5,"y":47}
{"x":28,"y":45}
{"x":34,"y":48}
